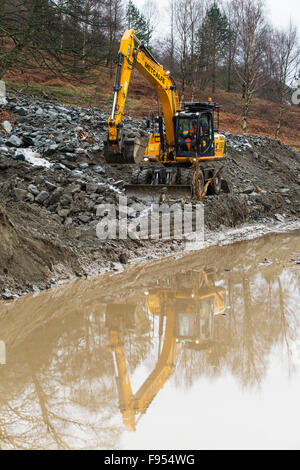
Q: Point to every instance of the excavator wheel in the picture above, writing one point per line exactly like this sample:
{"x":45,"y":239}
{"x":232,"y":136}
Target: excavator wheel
{"x":135,"y":177}
{"x":145,"y":176}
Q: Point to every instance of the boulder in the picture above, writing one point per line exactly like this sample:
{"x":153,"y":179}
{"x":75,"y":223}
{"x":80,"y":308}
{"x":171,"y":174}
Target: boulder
{"x":20,"y":194}
{"x":14,"y":141}
{"x":6,"y":125}
{"x":42,"y":197}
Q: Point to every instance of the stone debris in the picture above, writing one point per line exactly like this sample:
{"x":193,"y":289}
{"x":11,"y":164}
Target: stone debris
{"x":54,"y":181}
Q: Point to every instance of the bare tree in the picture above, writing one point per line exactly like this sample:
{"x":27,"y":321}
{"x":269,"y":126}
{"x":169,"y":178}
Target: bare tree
{"x":251,"y":36}
{"x":195,"y":13}
{"x":232,"y":43}
{"x":150,"y":10}
{"x":172,"y":9}
{"x":287,"y":54}
{"x":182,"y":20}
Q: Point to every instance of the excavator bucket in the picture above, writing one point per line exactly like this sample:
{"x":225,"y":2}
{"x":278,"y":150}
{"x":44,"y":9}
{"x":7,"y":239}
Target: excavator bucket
{"x":130,"y":150}
{"x":159,"y":193}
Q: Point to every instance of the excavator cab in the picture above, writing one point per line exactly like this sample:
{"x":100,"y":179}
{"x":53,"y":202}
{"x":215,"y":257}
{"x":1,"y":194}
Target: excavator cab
{"x":194,"y":134}
{"x":194,"y":320}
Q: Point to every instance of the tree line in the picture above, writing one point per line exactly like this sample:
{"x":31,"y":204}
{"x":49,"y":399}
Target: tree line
{"x":209,"y":44}
{"x":232,"y":46}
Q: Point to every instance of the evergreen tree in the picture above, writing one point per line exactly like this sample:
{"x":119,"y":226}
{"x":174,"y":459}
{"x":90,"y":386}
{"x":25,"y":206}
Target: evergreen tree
{"x":137,"y":21}
{"x":214,"y":36}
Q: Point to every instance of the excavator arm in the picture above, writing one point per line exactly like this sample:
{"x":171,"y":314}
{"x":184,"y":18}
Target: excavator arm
{"x":133,"y":54}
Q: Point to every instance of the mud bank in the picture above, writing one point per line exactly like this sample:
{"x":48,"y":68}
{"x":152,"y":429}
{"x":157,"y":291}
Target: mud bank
{"x":53,"y":178}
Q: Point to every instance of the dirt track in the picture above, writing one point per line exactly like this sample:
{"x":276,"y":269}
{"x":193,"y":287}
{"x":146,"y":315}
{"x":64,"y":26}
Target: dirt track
{"x":48,"y":216}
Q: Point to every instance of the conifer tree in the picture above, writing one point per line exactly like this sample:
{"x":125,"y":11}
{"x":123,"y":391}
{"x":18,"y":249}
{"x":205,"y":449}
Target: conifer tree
{"x":137,"y":21}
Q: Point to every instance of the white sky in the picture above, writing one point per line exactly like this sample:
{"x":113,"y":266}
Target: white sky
{"x":279,"y":12}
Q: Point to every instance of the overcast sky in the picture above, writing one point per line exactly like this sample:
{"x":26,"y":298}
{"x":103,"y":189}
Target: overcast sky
{"x":279,"y":12}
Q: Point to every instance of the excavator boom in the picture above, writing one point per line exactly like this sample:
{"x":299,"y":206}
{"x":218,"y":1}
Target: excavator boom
{"x":124,"y":148}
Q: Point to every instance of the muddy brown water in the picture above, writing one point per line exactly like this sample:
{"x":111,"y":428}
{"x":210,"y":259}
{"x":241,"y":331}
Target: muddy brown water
{"x":190,"y":352}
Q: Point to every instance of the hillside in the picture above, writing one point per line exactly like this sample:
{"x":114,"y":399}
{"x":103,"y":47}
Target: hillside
{"x":96,"y":90}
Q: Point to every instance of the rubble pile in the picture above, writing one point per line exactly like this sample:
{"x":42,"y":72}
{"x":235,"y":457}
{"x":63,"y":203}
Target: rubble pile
{"x":53,"y":178}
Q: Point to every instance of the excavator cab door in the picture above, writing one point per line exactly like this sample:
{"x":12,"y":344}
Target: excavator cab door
{"x":194,"y":134}
{"x":186,"y":135}
{"x":205,"y":135}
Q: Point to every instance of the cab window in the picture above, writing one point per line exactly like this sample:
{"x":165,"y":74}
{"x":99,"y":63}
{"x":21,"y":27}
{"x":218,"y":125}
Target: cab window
{"x":205,"y":132}
{"x":187,"y":135}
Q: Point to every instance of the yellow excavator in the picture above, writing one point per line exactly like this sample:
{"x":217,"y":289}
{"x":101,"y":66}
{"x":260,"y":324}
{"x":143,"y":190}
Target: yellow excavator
{"x":181,"y":138}
{"x":186,"y":315}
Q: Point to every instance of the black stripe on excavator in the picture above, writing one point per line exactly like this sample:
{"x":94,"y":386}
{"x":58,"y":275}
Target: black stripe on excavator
{"x":148,"y":53}
{"x":161,"y":133}
{"x":120,"y":63}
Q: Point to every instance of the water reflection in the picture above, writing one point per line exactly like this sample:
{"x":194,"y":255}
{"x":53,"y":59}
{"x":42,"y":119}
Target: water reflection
{"x":183,"y":313}
{"x":83,"y":356}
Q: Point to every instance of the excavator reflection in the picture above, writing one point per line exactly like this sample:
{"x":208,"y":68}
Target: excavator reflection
{"x":185,"y":306}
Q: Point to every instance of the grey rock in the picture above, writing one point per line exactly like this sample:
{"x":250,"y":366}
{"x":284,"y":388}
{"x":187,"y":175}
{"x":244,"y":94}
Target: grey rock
{"x":101,"y":188}
{"x":248,"y":190}
{"x":90,"y":205}
{"x":279,"y":217}
{"x":29,"y":197}
{"x":42,"y":197}
{"x":66,"y":200}
{"x":7,"y":295}
{"x":68,"y":221}
{"x":20,"y":194}
{"x":67,"y":149}
{"x":123,"y":258}
{"x":3,"y":150}
{"x":21,"y":111}
{"x":50,"y":186}
{"x":33,"y":190}
{"x":100,"y":170}
{"x":63,"y":212}
{"x":52,"y":115}
{"x":91,"y":188}
{"x":76,"y":189}
{"x":7,"y":126}
{"x":58,"y":166}
{"x":71,"y":166}
{"x":52,"y":148}
{"x":119,"y":183}
{"x":14,"y":141}
{"x":84,"y":218}
{"x":19,"y":157}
